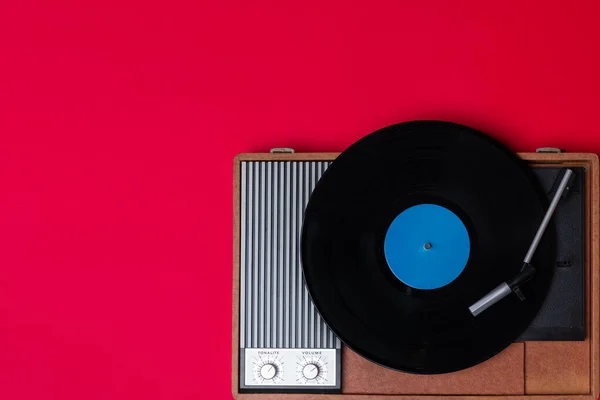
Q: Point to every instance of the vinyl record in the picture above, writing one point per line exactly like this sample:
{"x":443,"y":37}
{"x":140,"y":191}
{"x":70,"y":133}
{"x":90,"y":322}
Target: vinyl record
{"x":409,"y":227}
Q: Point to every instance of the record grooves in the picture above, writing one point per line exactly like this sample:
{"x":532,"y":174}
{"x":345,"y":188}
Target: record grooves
{"x":377,"y":297}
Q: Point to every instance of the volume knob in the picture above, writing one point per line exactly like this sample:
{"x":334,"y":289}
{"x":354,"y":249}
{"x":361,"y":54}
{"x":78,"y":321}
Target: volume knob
{"x":310,"y":371}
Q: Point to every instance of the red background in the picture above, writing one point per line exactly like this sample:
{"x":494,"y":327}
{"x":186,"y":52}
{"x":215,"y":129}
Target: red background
{"x":119,"y":121}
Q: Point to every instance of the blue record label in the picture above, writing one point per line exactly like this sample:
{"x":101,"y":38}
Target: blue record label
{"x":427,"y":246}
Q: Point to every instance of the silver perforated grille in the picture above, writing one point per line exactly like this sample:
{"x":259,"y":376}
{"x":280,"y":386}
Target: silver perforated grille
{"x":275,"y":307}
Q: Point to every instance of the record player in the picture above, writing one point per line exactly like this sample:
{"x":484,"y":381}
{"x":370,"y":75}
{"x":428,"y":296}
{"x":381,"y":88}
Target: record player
{"x":305,"y":324}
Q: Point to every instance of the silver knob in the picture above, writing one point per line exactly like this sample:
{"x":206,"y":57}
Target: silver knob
{"x":310,"y":371}
{"x":268,"y":371}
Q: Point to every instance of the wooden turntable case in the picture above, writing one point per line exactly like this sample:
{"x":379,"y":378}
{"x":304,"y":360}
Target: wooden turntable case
{"x":549,"y":370}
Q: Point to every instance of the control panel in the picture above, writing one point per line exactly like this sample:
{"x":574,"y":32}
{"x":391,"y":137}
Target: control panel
{"x":290,"y":368}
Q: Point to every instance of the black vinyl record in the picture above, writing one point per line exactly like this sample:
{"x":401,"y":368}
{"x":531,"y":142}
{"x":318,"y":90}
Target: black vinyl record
{"x":491,"y":208}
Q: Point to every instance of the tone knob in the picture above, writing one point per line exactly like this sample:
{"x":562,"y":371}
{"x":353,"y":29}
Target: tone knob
{"x":310,"y":371}
{"x":268,"y":371}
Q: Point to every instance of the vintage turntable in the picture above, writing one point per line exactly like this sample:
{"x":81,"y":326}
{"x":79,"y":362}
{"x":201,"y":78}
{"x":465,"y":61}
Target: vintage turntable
{"x":331,"y":298}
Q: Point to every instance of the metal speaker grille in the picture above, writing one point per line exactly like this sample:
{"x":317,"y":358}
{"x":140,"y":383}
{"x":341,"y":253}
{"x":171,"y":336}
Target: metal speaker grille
{"x":275,"y":307}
